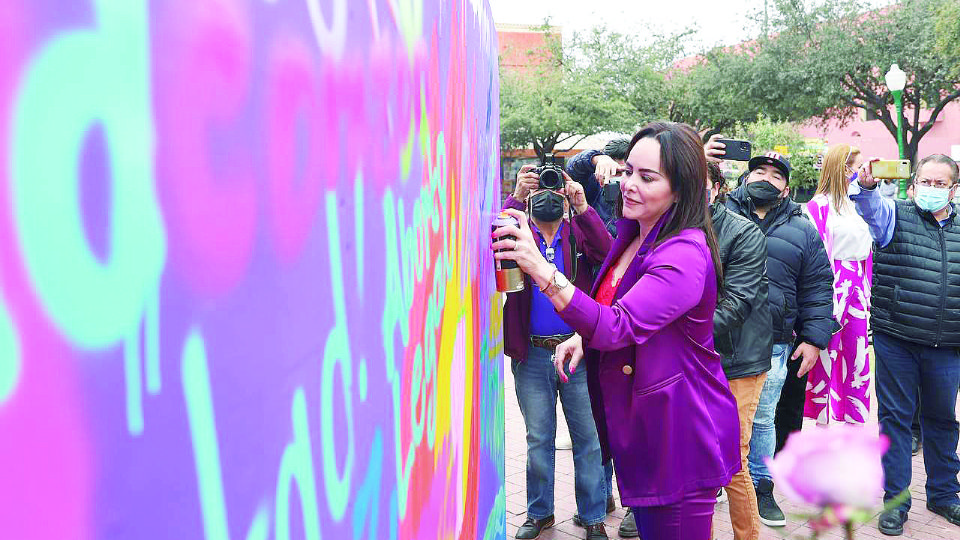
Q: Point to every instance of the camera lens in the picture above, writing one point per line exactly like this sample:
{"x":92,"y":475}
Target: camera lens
{"x":550,"y":179}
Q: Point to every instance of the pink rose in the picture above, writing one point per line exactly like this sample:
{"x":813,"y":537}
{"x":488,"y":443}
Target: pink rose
{"x":838,"y":465}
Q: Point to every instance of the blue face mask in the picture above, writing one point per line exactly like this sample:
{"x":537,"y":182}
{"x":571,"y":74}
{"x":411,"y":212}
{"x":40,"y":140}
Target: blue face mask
{"x":932,"y":199}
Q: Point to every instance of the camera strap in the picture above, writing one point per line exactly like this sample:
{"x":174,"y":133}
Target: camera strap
{"x":573,"y":246}
{"x":571,"y":265}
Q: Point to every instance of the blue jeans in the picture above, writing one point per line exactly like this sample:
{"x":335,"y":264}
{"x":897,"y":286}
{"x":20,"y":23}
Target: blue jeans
{"x":907,"y":372}
{"x":538,"y":386}
{"x":763,"y":441}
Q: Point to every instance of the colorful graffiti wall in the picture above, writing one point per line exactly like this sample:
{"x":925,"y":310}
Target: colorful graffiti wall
{"x":245,"y":283}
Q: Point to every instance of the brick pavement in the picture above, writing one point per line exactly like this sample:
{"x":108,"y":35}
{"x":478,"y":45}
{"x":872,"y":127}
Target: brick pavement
{"x":922,"y":523}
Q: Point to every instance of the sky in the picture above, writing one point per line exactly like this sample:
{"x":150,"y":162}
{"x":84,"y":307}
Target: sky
{"x":717,"y":22}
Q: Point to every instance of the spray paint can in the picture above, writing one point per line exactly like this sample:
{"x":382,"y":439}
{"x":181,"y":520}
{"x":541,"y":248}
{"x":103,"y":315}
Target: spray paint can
{"x":509,"y":275}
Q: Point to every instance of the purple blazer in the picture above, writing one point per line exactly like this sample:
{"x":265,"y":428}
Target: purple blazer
{"x":593,"y":243}
{"x":663,"y":408}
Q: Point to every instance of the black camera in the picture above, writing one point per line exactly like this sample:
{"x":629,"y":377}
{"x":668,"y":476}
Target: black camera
{"x":551,"y":174}
{"x":611,"y":192}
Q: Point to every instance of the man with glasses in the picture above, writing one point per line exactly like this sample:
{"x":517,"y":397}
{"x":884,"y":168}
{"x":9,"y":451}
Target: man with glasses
{"x":916,"y":330}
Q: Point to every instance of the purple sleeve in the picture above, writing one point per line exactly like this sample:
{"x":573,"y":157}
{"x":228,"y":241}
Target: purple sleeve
{"x":879,"y":212}
{"x":513,"y":203}
{"x":592,"y":236}
{"x":671,"y":286}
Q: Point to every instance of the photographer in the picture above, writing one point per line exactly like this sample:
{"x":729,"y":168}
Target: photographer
{"x":532,"y":330}
{"x":591,"y":169}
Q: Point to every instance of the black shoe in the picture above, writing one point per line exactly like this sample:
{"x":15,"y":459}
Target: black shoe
{"x":611,"y":508}
{"x":532,"y":528}
{"x":628,"y":527}
{"x":770,"y":513}
{"x":950,"y":512}
{"x":597,"y":531}
{"x":915,"y":446}
{"x":891,"y":521}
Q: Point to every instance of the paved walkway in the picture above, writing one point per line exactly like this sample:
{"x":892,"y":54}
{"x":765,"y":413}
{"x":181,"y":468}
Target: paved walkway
{"x":922,"y":523}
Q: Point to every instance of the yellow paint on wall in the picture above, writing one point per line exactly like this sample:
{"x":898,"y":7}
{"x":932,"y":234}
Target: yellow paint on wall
{"x":496,"y":326}
{"x":448,"y":336}
{"x":468,"y":387}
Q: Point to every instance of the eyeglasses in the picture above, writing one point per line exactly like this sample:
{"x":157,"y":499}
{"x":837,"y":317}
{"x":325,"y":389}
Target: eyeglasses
{"x":937,"y":183}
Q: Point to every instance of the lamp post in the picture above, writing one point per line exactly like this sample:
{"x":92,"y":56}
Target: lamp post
{"x":896,"y":79}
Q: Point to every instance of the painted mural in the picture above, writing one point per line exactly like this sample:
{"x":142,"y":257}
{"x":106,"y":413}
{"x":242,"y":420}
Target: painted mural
{"x":245,"y":283}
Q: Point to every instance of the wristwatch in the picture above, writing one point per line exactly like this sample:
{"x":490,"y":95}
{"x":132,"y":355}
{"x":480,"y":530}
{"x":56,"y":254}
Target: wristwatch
{"x":557,"y":283}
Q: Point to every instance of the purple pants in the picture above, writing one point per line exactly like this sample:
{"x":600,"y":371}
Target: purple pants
{"x":689,"y":519}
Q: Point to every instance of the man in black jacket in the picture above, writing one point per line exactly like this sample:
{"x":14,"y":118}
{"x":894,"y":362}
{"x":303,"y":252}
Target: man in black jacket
{"x":742,"y":334}
{"x":801,"y":300}
{"x":916,"y":330}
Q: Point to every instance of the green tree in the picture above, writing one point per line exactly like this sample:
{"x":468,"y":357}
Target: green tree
{"x":705,"y":91}
{"x":947,"y":30}
{"x":766,"y":135}
{"x":554,"y":102}
{"x":829,"y":60}
{"x":630,"y":68}
{"x":658,"y":77}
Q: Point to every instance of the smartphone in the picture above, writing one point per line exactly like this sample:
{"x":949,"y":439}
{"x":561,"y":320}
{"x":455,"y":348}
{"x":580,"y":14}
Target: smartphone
{"x":735,"y":150}
{"x":890,"y":168}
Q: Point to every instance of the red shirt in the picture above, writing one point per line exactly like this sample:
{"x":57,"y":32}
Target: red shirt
{"x":607,"y":289}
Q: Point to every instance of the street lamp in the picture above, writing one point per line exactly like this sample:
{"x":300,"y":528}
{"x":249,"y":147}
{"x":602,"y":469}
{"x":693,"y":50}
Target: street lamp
{"x":896,"y":79}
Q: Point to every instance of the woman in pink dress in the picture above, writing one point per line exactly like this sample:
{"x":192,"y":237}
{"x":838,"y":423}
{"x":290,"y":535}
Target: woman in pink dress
{"x":838,"y":387}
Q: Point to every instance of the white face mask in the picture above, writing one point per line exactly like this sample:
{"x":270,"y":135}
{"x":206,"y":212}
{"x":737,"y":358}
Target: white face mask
{"x":932,"y":199}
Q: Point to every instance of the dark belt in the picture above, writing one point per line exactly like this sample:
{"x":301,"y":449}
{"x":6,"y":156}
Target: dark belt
{"x":549,"y":342}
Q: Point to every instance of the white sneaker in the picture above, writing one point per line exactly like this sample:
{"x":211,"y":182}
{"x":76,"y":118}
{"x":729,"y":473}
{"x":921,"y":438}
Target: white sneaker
{"x":721,"y":495}
{"x":563,"y":441}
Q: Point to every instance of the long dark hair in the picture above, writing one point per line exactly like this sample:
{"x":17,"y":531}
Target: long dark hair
{"x":683,"y":162}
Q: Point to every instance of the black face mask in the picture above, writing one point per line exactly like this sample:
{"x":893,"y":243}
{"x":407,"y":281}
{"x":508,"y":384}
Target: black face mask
{"x":763,"y":193}
{"x":547,"y":206}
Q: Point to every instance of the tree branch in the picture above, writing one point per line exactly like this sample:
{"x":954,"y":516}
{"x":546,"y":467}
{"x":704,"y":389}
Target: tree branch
{"x":936,"y":112}
{"x":888,"y":122}
{"x":916,"y":112}
{"x":852,"y":103}
{"x":574,"y":145}
{"x":865,"y":93}
{"x":568,"y":137}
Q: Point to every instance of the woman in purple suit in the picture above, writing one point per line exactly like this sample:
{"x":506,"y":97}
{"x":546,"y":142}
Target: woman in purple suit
{"x":663,"y":409}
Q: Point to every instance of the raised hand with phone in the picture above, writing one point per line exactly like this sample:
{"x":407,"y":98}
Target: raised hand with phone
{"x":717,"y":149}
{"x":865,"y":176}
